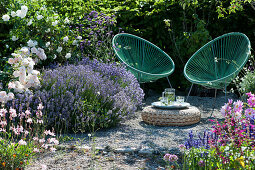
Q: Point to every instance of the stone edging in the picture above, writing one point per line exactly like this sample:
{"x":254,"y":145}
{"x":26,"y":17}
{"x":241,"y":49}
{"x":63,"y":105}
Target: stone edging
{"x":132,"y":150}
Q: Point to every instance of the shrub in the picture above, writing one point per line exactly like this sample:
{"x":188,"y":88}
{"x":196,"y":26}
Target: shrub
{"x":96,"y":29}
{"x":34,"y":24}
{"x":91,"y":94}
{"x":246,"y":82}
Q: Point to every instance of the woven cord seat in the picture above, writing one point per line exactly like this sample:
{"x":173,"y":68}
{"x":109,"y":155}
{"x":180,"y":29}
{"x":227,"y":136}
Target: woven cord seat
{"x":145,"y":60}
{"x":219,"y":61}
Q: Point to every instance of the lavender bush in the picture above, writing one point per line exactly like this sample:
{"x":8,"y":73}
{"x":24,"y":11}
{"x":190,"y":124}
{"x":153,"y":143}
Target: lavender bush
{"x":90,"y":94}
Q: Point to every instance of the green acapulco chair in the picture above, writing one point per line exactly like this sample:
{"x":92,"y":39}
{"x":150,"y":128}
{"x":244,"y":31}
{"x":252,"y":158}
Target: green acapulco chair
{"x":145,"y":60}
{"x":219,"y":61}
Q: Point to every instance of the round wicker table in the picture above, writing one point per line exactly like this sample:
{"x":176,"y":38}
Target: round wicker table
{"x":171,"y":117}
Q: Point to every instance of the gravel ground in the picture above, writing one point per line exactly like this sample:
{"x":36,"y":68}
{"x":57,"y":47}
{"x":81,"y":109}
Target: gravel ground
{"x":132,"y":133}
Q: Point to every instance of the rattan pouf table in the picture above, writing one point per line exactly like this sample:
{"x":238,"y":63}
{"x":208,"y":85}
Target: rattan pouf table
{"x":171,"y":117}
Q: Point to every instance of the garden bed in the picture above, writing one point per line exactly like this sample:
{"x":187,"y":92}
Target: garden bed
{"x":131,"y":145}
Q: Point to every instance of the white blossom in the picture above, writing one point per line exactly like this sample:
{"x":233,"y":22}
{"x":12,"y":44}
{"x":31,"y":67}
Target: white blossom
{"x":79,"y":37}
{"x":39,"y":17}
{"x":59,"y":49}
{"x":30,"y":22}
{"x":24,"y":50}
{"x":24,"y":9}
{"x":65,"y":39}
{"x":14,"y":38}
{"x":13,"y":14}
{"x":6,"y":17}
{"x":32,"y":43}
{"x":54,"y":57}
{"x":68,"y":55}
{"x":47,"y":44}
{"x":66,"y":21}
{"x":55,"y":23}
{"x":22,"y":142}
{"x":74,"y":42}
{"x":34,"y":50}
{"x":48,"y":30}
{"x":21,"y":13}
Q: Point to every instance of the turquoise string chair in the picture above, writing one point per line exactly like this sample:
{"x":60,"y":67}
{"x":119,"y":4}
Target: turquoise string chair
{"x":219,"y":61}
{"x":144,"y":59}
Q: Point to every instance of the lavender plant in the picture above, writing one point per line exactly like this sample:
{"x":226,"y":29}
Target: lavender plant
{"x":90,"y":93}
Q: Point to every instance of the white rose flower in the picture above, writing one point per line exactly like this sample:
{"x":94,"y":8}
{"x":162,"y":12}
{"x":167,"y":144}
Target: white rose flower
{"x":40,"y":53}
{"x":66,"y":21}
{"x":31,"y":43}
{"x":16,"y":73}
{"x":3,"y":96}
{"x":74,"y":42}
{"x":48,"y":30}
{"x":59,"y":49}
{"x":35,"y":72}
{"x":39,"y":17}
{"x":24,"y":50}
{"x":10,"y":96}
{"x":47,"y":44}
{"x":34,"y":50}
{"x":22,"y":70}
{"x":11,"y":60}
{"x":65,"y":39}
{"x":19,"y":87}
{"x":25,"y":62}
{"x":79,"y":37}
{"x":22,"y":79}
{"x":14,"y":38}
{"x":55,"y":23}
{"x":6,"y":17}
{"x":21,"y":13}
{"x":68,"y":55}
{"x":24,"y":9}
{"x":30,"y":22}
{"x":13,"y":14}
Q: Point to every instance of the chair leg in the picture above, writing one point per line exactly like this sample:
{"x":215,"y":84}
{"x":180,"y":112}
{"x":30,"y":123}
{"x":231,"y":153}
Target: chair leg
{"x":169,"y":82}
{"x":214,"y":103}
{"x":189,"y":92}
{"x":225,"y":93}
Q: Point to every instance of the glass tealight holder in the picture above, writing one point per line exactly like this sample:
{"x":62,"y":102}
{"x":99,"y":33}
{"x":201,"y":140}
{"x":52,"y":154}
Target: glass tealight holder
{"x":180,"y":99}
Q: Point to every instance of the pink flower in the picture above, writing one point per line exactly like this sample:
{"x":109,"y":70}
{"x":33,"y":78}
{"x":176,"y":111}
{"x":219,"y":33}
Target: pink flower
{"x":3,"y":112}
{"x":22,"y":142}
{"x":251,"y":101}
{"x":29,"y":120}
{"x":41,"y":140}
{"x":36,"y":150}
{"x":13,"y":113}
{"x":250,"y":112}
{"x":45,"y":146}
{"x":40,"y":107}
{"x":225,"y":109}
{"x":250,"y":94}
{"x":27,"y":112}
{"x":173,"y":158}
{"x":35,"y":138}
{"x":53,"y":149}
{"x":238,"y":106}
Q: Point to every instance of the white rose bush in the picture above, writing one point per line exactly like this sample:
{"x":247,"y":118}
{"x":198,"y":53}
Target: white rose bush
{"x":35,"y":25}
